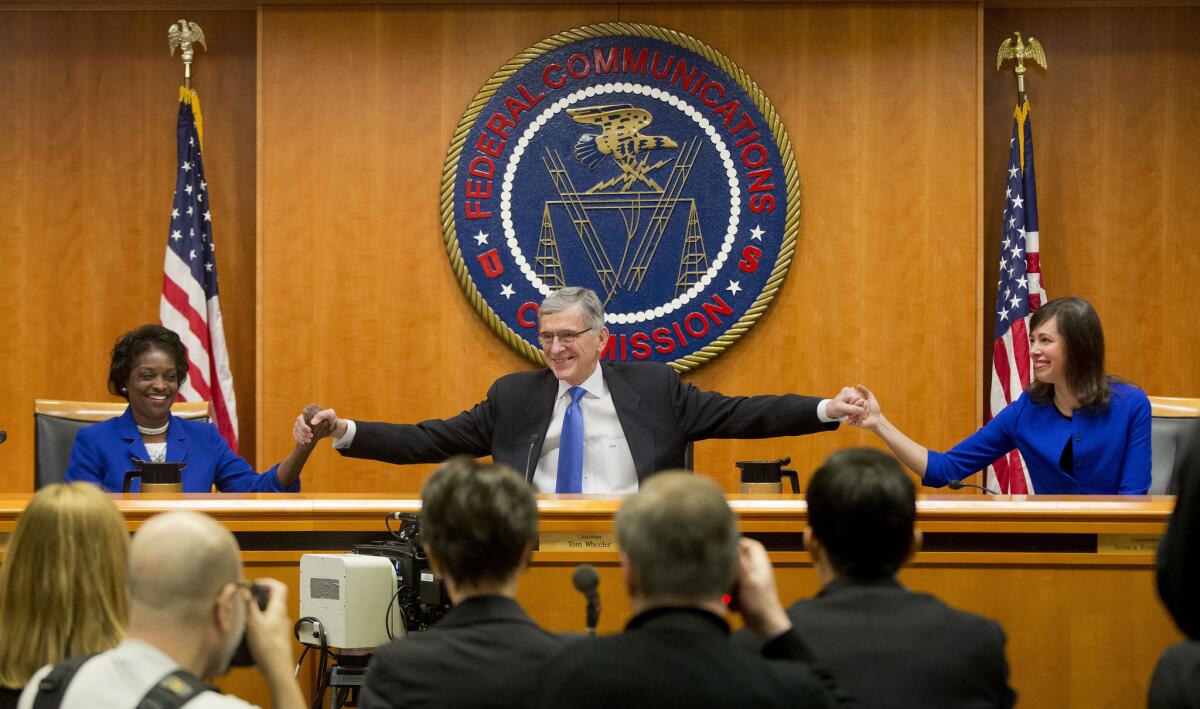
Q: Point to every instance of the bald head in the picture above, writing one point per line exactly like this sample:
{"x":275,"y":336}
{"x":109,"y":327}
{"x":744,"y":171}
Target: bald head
{"x":178,"y":564}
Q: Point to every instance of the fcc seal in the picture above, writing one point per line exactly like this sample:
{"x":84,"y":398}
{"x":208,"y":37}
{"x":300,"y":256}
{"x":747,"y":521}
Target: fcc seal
{"x":632,"y":160}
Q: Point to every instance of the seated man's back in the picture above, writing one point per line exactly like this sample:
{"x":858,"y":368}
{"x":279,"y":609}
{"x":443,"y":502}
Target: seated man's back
{"x":891,"y":647}
{"x":486,"y":652}
{"x":676,"y":657}
{"x":478,"y":528}
{"x":887,"y":646}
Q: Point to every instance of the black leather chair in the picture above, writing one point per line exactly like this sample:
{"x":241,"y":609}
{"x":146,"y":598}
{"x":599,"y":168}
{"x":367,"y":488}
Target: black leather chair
{"x":56,"y":423}
{"x":1173,"y":419}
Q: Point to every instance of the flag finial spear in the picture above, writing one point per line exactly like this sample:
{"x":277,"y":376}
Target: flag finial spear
{"x":182,"y":35}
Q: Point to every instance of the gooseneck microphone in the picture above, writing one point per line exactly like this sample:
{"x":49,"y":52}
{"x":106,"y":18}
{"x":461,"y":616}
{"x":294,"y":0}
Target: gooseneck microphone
{"x":586,"y":581}
{"x":529,"y":470}
{"x":959,"y":484}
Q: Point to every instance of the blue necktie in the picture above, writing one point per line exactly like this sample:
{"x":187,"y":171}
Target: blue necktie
{"x":570,"y":448}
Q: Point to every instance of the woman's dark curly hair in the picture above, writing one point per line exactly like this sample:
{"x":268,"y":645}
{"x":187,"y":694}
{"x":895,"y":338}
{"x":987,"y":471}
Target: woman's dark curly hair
{"x":134,"y":344}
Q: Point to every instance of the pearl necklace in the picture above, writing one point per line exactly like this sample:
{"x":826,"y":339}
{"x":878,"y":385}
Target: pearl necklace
{"x":154,"y":431}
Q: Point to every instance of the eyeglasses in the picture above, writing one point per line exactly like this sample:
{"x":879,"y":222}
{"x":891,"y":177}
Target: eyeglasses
{"x":566,"y":338}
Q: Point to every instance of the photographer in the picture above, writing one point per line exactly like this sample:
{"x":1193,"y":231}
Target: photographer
{"x":478,"y":526}
{"x":188,"y":613}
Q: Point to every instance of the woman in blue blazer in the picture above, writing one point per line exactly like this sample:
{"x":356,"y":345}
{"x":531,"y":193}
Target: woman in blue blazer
{"x":1079,"y":430}
{"x":148,"y":366}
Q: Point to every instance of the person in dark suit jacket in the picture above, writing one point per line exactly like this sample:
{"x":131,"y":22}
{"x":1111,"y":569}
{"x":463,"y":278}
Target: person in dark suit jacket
{"x":638,"y":417}
{"x":478,"y":526}
{"x":1176,"y":679}
{"x":889,"y":647}
{"x":680,"y":552}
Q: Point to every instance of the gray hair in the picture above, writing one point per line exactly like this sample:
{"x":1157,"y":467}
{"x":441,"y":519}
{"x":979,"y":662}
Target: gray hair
{"x":680,"y":537}
{"x":586,"y":299}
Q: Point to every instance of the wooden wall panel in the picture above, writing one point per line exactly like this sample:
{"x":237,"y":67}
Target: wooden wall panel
{"x":88,"y":102}
{"x":1117,"y":152}
{"x":361,"y":311}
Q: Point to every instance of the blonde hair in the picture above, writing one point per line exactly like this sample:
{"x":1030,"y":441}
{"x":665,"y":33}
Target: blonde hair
{"x":63,"y":586}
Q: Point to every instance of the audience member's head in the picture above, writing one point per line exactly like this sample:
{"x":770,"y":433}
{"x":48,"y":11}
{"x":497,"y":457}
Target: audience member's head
{"x":63,"y":581}
{"x":478,"y":525}
{"x":185,"y":577}
{"x":861,"y":511}
{"x":678,"y":540}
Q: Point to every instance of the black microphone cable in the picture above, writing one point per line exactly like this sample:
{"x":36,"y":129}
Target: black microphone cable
{"x":959,"y":484}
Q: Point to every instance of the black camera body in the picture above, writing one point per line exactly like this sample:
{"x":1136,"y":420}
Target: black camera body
{"x":421,"y":597}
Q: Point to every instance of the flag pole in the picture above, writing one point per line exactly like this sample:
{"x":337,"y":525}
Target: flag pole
{"x":183,"y":35}
{"x":1020,"y":52}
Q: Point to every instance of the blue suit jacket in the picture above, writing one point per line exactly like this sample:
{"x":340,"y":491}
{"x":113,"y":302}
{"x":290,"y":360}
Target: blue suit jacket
{"x":104,"y":452}
{"x":1110,"y":449}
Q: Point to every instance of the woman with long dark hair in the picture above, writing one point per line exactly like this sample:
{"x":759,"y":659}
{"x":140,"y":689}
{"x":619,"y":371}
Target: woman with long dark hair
{"x":1079,"y":430}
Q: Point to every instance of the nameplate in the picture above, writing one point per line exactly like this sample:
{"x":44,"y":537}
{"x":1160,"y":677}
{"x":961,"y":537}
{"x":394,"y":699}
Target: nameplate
{"x":1126,"y":543}
{"x":577,"y":541}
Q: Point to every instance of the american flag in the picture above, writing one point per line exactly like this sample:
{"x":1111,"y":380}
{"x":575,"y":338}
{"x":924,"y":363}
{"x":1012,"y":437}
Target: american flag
{"x":190,"y":305}
{"x":1019,"y":295}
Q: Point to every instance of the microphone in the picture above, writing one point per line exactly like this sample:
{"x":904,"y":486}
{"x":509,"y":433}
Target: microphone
{"x":586,"y":581}
{"x":959,"y":484}
{"x":529,"y":470}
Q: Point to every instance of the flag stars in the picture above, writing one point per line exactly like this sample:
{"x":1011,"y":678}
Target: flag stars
{"x":189,"y":211}
{"x":186,"y":166}
{"x":203,"y":185}
{"x":734,"y":287}
{"x":1012,"y":172}
{"x":1016,"y":252}
{"x":188,"y":188}
{"x":174,"y":214}
{"x":207,"y":216}
{"x":176,"y":235}
{"x":1022,"y":282}
{"x":192,"y":255}
{"x":1017,"y":202}
{"x":506,"y":289}
{"x":481,"y":238}
{"x":1015,"y":302}
{"x":208,"y":267}
{"x":1003,"y":313}
{"x":756,"y":234}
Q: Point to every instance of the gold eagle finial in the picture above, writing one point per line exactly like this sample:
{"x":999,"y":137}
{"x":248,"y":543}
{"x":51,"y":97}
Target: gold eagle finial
{"x":183,"y":35}
{"x":1021,"y":51}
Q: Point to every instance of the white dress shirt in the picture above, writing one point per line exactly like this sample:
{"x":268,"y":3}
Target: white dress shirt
{"x":607,"y":461}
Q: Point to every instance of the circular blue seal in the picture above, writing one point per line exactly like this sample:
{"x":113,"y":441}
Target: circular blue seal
{"x":632,"y":160}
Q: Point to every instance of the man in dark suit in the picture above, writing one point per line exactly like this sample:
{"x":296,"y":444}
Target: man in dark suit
{"x":478,"y":526}
{"x":680,"y":553}
{"x":886,"y":645}
{"x":1176,"y":679}
{"x":583,"y":426}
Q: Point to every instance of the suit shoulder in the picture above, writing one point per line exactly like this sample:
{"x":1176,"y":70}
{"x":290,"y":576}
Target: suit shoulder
{"x":198,"y":430}
{"x":640,"y":371}
{"x":108,"y":428}
{"x":1126,"y":394}
{"x":523,"y":378}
